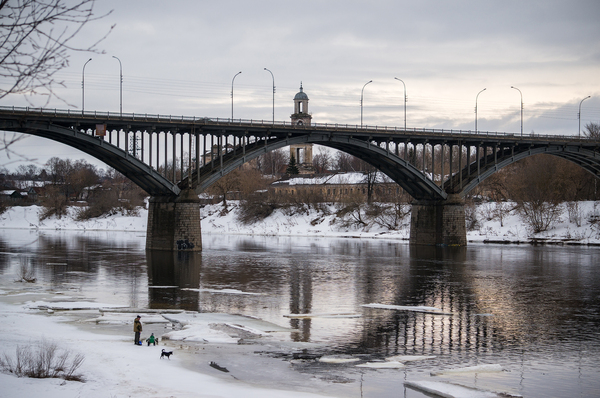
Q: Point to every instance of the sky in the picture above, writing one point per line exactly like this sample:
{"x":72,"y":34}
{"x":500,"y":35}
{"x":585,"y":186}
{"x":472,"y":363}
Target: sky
{"x":181,"y":59}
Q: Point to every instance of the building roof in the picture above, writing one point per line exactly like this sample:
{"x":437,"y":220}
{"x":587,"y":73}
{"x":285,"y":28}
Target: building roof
{"x":354,"y":178}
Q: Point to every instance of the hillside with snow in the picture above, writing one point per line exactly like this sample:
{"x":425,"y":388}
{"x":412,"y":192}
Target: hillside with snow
{"x":575,"y":224}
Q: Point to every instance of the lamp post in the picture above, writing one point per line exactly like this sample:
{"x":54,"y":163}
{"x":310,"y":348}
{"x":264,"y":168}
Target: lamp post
{"x":404,"y":101}
{"x":579,"y":115}
{"x":273,"y":93}
{"x":232,"y":80}
{"x":361,"y":101}
{"x":476,"y":108}
{"x":83,"y":86}
{"x":120,"y":85}
{"x":521,"y":108}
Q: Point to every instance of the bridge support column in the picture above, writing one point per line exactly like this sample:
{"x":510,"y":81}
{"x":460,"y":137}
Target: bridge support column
{"x":174,"y":223}
{"x":439,"y":222}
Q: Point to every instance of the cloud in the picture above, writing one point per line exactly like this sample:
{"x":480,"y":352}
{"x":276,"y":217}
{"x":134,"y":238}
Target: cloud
{"x":180,"y":59}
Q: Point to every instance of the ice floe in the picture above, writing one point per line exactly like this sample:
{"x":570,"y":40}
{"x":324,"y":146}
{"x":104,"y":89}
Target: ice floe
{"x":120,"y":318}
{"x":409,"y":358}
{"x":219,"y":327}
{"x":324,"y":315}
{"x":69,"y":305}
{"x":382,"y":365}
{"x":163,"y":287}
{"x":338,"y":359}
{"x":223,"y":291}
{"x":424,"y":309}
{"x":471,"y":369}
{"x":200,"y":333}
{"x":447,"y":390}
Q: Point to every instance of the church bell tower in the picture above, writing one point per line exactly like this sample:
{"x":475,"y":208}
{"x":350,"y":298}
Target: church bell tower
{"x":302,"y":152}
{"x":301,"y":116}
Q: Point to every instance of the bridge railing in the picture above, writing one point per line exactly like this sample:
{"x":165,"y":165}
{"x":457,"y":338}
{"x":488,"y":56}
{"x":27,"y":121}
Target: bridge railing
{"x":157,"y":118}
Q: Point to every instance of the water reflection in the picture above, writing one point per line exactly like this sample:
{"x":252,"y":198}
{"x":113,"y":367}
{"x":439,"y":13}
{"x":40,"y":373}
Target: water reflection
{"x":170,"y":275}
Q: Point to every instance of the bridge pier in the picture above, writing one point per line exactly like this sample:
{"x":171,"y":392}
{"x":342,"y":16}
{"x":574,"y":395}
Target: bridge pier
{"x":174,"y":223}
{"x":438,"y":222}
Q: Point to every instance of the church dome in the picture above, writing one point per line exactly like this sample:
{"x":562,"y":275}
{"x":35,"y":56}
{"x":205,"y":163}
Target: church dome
{"x":301,"y":95}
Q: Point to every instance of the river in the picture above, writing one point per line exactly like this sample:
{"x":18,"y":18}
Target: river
{"x":534,"y":310}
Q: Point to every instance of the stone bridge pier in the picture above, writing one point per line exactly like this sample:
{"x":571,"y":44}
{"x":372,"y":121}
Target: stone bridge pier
{"x":439,"y":222}
{"x":174,"y":223}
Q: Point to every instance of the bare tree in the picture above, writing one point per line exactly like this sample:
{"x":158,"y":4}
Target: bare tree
{"x":371,"y":175}
{"x":228,"y":183}
{"x":35,"y":41}
{"x":273,"y":162}
{"x":343,"y":162}
{"x":322,"y":160}
{"x":538,"y":191}
{"x":36,"y":37}
{"x":593,"y":130}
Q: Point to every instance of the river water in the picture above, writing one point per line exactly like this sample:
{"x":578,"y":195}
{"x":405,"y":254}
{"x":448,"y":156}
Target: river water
{"x":535,"y":310}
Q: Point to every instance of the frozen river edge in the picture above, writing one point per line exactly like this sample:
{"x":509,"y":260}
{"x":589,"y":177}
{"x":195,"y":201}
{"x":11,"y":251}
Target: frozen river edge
{"x":114,"y":367}
{"x":219,"y":353}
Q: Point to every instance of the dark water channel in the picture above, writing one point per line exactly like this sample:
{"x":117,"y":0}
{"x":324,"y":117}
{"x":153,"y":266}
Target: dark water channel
{"x":533,"y":309}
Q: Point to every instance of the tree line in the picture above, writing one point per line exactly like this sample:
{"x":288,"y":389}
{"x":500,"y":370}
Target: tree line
{"x":64,"y":182}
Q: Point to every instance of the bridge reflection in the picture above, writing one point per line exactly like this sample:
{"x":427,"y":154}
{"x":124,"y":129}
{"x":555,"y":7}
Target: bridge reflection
{"x":170,"y":274}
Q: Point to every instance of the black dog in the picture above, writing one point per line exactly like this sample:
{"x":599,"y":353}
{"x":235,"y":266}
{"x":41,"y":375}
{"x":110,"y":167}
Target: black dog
{"x":166,"y":354}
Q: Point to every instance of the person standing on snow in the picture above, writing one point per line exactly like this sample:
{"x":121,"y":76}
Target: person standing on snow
{"x":137,"y":328}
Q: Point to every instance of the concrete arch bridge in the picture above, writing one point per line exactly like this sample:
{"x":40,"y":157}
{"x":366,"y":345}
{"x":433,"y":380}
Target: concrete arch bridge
{"x":149,"y":150}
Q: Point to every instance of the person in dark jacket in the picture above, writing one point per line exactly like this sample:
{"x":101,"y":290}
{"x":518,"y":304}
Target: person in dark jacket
{"x":137,"y":328}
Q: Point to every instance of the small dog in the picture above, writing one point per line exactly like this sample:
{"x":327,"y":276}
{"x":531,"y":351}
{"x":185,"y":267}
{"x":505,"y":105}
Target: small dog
{"x":166,"y":354}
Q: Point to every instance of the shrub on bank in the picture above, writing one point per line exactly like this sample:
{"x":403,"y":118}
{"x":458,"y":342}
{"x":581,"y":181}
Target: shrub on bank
{"x":41,"y":361}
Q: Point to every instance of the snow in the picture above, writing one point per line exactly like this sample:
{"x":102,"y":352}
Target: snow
{"x":354,"y":178}
{"x":114,"y":367}
{"x":572,"y":227}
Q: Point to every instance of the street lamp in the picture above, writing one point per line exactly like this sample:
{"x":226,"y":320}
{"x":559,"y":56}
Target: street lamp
{"x":232,"y":94}
{"x":476,"y":108}
{"x":83,"y":86}
{"x":361,"y":101}
{"x":120,"y":85}
{"x":521,"y":108}
{"x":404,"y":101}
{"x":579,"y":115}
{"x":273,"y":93}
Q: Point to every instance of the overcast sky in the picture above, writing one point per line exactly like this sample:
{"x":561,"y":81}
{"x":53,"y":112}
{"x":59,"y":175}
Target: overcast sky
{"x":179,"y":58}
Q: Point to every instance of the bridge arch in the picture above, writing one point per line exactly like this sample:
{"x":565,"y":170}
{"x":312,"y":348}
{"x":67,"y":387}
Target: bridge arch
{"x":413,"y":181}
{"x":586,"y":158}
{"x":137,"y":171}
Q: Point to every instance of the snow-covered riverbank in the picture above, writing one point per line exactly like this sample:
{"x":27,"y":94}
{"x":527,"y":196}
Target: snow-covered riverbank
{"x":113,"y":366}
{"x":572,"y":227}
